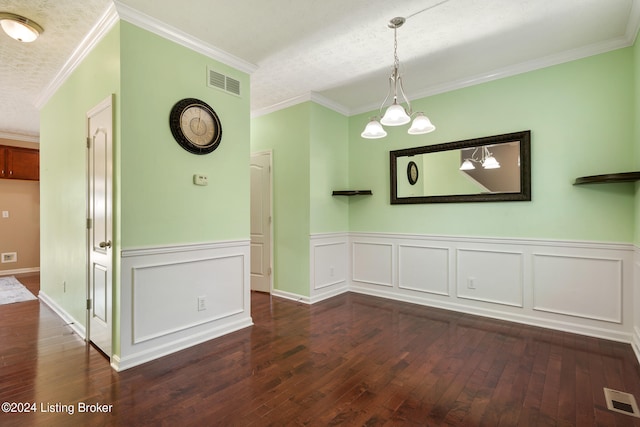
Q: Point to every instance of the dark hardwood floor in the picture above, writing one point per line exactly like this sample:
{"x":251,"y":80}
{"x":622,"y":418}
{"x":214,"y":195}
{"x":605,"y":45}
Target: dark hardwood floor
{"x":351,"y":360}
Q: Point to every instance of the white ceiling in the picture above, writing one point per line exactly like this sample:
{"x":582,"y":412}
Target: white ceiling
{"x":335,"y":51}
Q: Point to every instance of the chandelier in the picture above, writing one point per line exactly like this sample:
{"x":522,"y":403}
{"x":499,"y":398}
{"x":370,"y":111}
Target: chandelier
{"x":396,"y":114}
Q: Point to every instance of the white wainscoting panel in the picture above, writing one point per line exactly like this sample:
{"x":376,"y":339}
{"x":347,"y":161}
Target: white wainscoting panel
{"x":578,"y":286}
{"x":373,"y":263}
{"x":531,"y":281}
{"x":424,"y":269}
{"x":160,"y":292}
{"x":329,"y":265}
{"x":490,"y":276}
{"x":166,"y":296}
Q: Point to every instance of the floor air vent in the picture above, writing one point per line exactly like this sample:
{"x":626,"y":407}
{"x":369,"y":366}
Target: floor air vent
{"x":624,"y":403}
{"x":220,"y":81}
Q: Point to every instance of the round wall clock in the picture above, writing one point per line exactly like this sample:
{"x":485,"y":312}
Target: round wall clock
{"x":195,"y":126}
{"x":412,"y":173}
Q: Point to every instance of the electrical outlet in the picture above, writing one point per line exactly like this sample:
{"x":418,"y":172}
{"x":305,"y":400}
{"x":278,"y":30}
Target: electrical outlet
{"x":471,"y":283}
{"x":332,"y":271}
{"x":5,"y":214}
{"x":202,"y":303}
{"x":64,"y":286}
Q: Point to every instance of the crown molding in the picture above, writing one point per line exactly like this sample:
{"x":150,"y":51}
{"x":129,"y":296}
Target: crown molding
{"x":168,"y":32}
{"x":627,"y":40}
{"x":97,"y":33}
{"x":311,"y":96}
{"x":15,"y":136}
{"x":525,"y":67}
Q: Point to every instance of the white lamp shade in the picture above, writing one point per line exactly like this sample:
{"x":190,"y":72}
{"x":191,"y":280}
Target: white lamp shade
{"x":421,"y":124}
{"x":373,"y":130}
{"x":20,"y":31}
{"x":490,"y":163}
{"x":395,"y":116}
{"x":467,"y":166}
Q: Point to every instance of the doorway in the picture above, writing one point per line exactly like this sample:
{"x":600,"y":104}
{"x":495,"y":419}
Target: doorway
{"x":99,"y":225}
{"x":261,"y":222}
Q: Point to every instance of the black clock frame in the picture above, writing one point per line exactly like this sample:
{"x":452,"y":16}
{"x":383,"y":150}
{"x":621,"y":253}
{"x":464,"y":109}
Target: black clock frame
{"x":412,"y":172}
{"x":176,"y":130}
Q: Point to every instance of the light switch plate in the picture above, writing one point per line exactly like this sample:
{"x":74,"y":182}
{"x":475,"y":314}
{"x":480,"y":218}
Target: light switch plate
{"x":5,"y":214}
{"x":200,"y":179}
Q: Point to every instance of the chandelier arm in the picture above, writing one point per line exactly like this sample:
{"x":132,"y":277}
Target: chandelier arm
{"x":409,"y":112}
{"x":388,"y":94}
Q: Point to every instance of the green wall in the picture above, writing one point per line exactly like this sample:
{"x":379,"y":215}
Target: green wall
{"x":310,"y":160}
{"x":580,"y":116}
{"x":286,"y":133}
{"x":160,"y":203}
{"x":155,"y":201}
{"x":63,"y":176}
{"x":329,"y":170}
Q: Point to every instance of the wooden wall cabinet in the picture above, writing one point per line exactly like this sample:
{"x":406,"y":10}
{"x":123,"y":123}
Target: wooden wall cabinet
{"x":19,"y":163}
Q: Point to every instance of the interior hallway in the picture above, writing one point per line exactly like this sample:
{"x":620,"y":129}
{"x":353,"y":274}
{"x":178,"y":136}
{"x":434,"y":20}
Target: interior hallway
{"x":351,"y":360}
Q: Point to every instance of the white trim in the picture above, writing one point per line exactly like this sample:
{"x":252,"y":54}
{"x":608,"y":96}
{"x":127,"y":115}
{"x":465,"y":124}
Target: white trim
{"x":300,"y":99}
{"x":633,"y":25}
{"x":524,"y":67}
{"x":95,"y":35}
{"x":188,"y":247}
{"x":168,"y":32}
{"x":291,"y":296}
{"x":495,"y":314}
{"x":19,"y":271}
{"x":120,"y":364}
{"x":77,"y":327}
{"x":587,"y":244}
{"x":15,"y":136}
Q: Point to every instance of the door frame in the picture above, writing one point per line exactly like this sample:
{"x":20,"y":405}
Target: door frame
{"x":268,"y":153}
{"x":108,"y":102}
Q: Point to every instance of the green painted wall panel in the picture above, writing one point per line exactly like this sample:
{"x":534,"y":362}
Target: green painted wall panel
{"x":63,"y":176}
{"x":160,"y":203}
{"x":328,"y":170}
{"x":579,"y":114}
{"x":287,"y":134}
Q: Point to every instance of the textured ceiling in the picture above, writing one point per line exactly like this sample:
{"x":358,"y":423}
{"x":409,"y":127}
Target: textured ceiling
{"x":340,"y":50}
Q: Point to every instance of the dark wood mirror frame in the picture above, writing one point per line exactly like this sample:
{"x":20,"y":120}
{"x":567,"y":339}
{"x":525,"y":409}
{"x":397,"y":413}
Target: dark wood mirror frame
{"x":523,"y":137}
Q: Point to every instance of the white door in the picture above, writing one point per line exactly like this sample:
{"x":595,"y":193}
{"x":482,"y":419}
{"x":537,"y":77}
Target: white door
{"x":261,"y":222}
{"x":99,"y":236}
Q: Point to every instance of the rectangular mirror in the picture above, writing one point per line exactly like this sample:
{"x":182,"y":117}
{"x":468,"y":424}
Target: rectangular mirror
{"x":493,"y":168}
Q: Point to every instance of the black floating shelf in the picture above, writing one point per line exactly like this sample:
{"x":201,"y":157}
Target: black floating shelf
{"x":610,"y":177}
{"x":352,"y":193}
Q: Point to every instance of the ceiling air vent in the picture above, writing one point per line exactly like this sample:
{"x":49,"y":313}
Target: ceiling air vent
{"x":220,"y":81}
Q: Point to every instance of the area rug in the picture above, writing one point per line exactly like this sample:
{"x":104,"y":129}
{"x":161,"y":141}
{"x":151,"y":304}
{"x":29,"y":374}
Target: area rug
{"x":11,"y":290}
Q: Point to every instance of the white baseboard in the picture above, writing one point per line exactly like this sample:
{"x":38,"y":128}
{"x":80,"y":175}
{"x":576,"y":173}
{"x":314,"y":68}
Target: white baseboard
{"x":19,"y":271}
{"x":77,"y":327}
{"x":575,"y":328}
{"x":291,"y":296}
{"x":635,"y":342}
{"x":135,"y":359}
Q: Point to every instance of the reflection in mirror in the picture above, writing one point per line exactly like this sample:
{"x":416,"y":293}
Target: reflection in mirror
{"x":495,"y":168}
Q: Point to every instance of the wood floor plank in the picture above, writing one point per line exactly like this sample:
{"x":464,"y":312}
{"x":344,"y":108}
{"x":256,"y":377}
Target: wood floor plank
{"x":349,"y":360}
